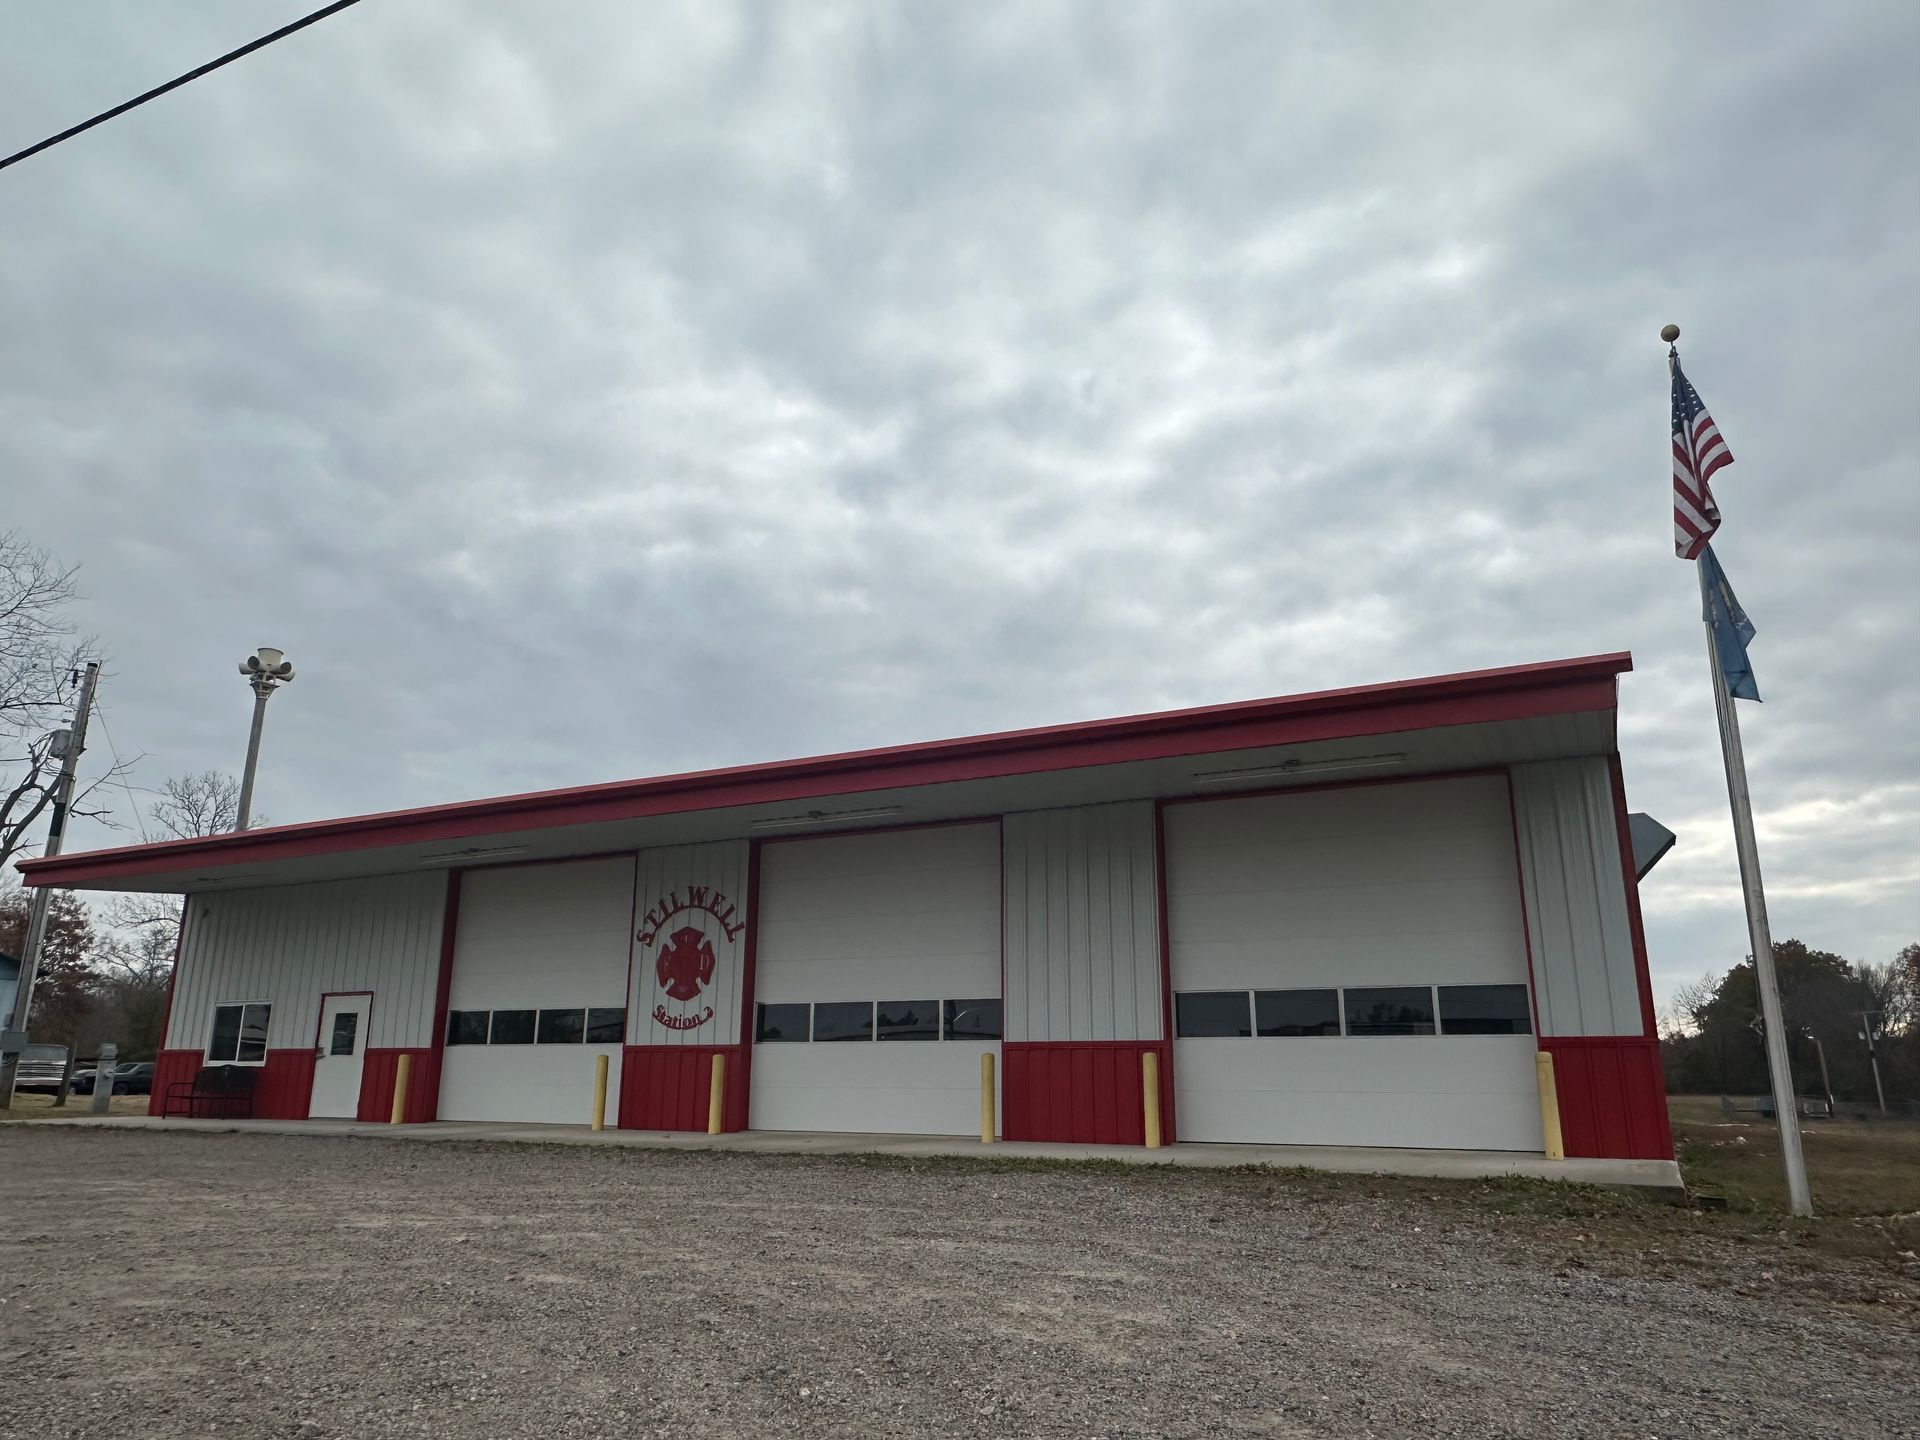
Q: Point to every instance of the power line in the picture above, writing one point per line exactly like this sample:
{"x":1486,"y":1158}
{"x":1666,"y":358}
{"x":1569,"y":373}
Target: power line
{"x":119,"y":772}
{"x":154,"y":94}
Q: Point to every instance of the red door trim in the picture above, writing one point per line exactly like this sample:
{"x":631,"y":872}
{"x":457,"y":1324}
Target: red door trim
{"x":443,"y":984}
{"x":749,"y":975}
{"x":1168,"y":1089}
{"x":1624,"y":842}
{"x":320,"y":1014}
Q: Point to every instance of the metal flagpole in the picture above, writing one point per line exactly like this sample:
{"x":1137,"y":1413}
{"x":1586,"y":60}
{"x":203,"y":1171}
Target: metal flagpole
{"x":1758,"y":932}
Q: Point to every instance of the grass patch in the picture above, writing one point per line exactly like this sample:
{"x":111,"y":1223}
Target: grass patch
{"x":35,"y":1105}
{"x":1854,"y":1167}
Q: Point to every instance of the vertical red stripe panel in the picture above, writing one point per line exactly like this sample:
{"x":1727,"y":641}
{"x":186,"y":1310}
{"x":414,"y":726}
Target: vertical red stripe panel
{"x":172,"y":1067}
{"x":376,"y":1085}
{"x":666,"y":1087}
{"x":1613,"y":1102}
{"x":1080,"y":1091}
{"x":284,"y":1090}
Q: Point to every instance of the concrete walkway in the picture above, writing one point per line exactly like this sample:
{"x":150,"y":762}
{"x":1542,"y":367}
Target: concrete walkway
{"x":1433,"y":1164}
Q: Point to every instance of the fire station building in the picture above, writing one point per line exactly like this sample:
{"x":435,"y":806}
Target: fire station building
{"x":1343,"y":918}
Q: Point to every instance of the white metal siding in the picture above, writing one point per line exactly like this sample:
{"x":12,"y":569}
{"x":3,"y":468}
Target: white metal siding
{"x":686,"y":876}
{"x":1576,"y":898}
{"x":290,"y":944}
{"x":536,"y":937}
{"x":1403,"y":884}
{"x":893,"y":915}
{"x":1082,"y":924}
{"x":904,"y":915}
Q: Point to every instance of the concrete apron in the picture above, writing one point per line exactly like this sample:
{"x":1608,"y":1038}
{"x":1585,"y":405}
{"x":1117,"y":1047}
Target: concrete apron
{"x":1361,"y":1160}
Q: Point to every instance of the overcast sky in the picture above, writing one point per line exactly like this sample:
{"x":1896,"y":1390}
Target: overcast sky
{"x":601,"y":390}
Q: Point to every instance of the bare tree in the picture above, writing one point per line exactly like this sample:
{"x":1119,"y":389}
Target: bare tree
{"x":40,"y":668}
{"x":189,"y":806}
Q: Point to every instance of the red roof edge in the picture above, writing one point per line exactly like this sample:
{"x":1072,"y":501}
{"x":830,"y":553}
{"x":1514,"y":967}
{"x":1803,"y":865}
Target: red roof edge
{"x":1586,"y":682}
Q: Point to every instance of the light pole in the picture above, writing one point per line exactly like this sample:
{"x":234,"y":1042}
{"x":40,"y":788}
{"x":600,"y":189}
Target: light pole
{"x":267,"y":669}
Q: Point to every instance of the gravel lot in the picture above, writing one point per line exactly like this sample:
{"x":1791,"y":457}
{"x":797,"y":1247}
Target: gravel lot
{"x":171,"y":1285}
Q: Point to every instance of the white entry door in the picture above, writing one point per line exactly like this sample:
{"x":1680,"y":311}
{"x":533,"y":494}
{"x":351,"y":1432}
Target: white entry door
{"x":342,"y":1054}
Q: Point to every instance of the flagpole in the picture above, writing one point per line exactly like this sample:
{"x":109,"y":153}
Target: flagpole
{"x":1759,"y":934}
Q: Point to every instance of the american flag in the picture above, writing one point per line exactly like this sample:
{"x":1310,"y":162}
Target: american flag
{"x":1698,"y":451}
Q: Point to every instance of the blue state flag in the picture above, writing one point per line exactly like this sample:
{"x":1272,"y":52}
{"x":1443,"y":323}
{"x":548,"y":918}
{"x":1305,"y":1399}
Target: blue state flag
{"x":1731,"y":629}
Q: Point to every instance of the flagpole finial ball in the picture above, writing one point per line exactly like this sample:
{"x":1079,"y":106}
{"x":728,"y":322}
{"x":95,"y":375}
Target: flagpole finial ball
{"x":1669,"y":333}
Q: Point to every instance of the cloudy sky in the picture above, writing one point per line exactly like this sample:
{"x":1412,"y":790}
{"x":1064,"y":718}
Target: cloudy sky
{"x":591,"y":391}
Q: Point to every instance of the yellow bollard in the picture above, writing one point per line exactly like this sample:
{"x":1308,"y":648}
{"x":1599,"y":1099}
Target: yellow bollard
{"x":1150,"y":1096}
{"x":402,"y":1073}
{"x":1549,"y":1106}
{"x":599,"y":1092}
{"x":717,"y":1096}
{"x":986,"y":1098}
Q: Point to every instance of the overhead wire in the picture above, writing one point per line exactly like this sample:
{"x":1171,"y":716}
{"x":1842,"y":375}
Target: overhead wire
{"x":119,"y":773}
{"x":176,"y":83}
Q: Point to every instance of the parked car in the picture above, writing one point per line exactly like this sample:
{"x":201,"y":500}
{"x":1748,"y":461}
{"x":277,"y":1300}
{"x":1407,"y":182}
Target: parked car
{"x":41,"y":1068}
{"x":135,"y":1079}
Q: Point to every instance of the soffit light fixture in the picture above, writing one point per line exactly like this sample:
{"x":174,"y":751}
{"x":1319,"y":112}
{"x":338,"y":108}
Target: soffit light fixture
{"x":476,"y":852}
{"x":1295,"y":769}
{"x":824,"y":817}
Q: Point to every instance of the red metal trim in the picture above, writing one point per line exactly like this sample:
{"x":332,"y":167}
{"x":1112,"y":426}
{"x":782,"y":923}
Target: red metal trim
{"x":443,"y":982}
{"x":1514,"y":692}
{"x":1526,"y":928}
{"x":1168,"y":1090}
{"x":1613,"y":1101}
{"x":1624,"y":842}
{"x":633,"y":937}
{"x":749,"y":978}
{"x":320,"y":1014}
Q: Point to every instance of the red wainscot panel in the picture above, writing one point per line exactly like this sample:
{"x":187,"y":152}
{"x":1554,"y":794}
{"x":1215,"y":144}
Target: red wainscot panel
{"x":284,"y":1090}
{"x":423,"y":1085}
{"x":1084,"y":1091}
{"x":667,"y":1087}
{"x":172,"y":1067}
{"x":1613,"y":1097}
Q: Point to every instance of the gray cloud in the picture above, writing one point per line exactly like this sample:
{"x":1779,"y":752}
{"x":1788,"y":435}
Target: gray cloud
{"x":629,"y":390}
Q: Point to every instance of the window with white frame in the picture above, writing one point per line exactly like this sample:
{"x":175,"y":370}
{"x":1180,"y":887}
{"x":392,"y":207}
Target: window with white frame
{"x":239,"y":1034}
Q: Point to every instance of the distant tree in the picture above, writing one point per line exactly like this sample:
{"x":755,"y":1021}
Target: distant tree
{"x":134,"y":971}
{"x":1821,"y":997}
{"x":68,"y":986}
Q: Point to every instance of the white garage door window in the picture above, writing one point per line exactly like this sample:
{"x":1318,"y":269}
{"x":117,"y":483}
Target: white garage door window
{"x":1349,"y":968}
{"x":877,"y":981}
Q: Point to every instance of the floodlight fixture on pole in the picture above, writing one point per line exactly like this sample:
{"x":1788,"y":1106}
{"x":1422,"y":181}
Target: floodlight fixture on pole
{"x":267,"y":669}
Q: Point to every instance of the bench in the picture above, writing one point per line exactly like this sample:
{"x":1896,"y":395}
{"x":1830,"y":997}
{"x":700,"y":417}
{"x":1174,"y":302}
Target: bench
{"x":222,"y":1092}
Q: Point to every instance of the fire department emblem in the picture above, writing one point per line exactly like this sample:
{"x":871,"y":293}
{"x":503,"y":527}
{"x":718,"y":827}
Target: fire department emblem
{"x":684,"y":959}
{"x":685,"y":965}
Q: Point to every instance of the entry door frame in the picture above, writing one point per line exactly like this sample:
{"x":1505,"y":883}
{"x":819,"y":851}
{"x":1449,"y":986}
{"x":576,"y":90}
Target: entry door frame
{"x":319,"y":1041}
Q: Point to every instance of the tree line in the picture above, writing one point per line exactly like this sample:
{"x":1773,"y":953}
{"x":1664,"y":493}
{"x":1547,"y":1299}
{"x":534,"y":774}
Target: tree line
{"x":1712,"y":1041}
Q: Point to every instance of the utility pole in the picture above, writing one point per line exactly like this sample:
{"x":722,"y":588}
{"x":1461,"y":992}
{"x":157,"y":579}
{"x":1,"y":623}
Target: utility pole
{"x":76,"y":741}
{"x":1873,"y":1056}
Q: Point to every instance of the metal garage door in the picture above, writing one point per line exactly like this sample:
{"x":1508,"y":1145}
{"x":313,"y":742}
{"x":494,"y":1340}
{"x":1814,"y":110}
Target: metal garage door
{"x":877,"y":980}
{"x":1349,"y":968}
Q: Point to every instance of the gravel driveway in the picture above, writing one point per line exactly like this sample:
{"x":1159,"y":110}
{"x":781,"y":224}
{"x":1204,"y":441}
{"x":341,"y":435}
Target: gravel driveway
{"x":172,"y":1285}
